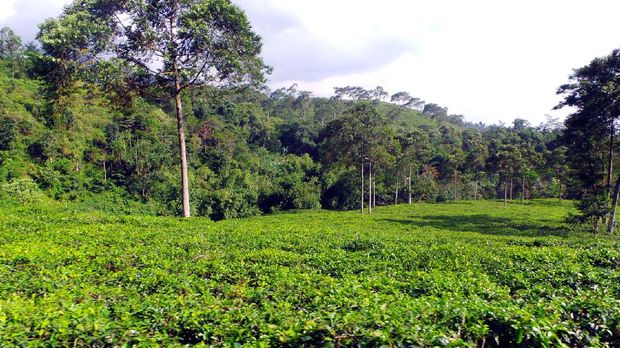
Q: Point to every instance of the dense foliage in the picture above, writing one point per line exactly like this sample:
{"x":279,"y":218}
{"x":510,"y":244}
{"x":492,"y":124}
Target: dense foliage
{"x":591,"y":137}
{"x":252,"y":150}
{"x":460,"y":274}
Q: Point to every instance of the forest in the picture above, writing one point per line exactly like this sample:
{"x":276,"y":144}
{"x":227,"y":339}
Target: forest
{"x":251,"y":150}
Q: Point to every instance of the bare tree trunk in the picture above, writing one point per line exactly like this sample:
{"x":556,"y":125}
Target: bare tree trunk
{"x":396,"y":193}
{"x":370,"y":188}
{"x":610,"y":220}
{"x":180,"y":123}
{"x":105,"y":172}
{"x":560,"y":195}
{"x":182,"y":149}
{"x":522,"y":189}
{"x":476,"y":188}
{"x":454,"y":186}
{"x":409,"y":184}
{"x":374,"y":192}
{"x":595,"y":226}
{"x":511,"y":186}
{"x":505,"y":192}
{"x":13,"y":66}
{"x":362,"y":187}
{"x":610,"y":163}
{"x":614,"y":204}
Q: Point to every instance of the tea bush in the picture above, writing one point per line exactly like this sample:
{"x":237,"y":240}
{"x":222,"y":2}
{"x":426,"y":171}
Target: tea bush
{"x":457,"y":274}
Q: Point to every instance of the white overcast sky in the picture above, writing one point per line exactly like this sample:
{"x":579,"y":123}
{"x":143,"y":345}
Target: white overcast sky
{"x":490,"y":60}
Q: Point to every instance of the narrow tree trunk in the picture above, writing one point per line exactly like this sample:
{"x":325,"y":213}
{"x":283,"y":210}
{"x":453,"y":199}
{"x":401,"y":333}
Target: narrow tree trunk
{"x":511,"y":187}
{"x":374,"y":192}
{"x":614,"y":204}
{"x":522,"y":189}
{"x":476,"y":188}
{"x":560,"y":194}
{"x":13,"y":66}
{"x":362,"y":187}
{"x":456,"y":197}
{"x":370,"y":188}
{"x":396,"y":193}
{"x":610,"y":162}
{"x":180,"y":123}
{"x":505,"y":192}
{"x":595,"y":226}
{"x":409,"y":184}
{"x":105,"y":172}
{"x":182,"y":149}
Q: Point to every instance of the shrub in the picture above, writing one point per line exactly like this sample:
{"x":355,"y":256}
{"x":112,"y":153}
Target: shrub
{"x":22,"y":190}
{"x":8,"y":133}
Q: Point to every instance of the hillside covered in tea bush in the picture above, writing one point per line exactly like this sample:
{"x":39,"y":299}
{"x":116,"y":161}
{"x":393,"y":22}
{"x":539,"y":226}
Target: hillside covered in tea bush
{"x":456,"y":274}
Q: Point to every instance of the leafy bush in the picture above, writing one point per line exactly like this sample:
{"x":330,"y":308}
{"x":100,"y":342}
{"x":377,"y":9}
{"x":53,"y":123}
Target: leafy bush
{"x":343,"y":194}
{"x":8,"y":133}
{"x":466,"y":275}
{"x":424,"y":188}
{"x":22,"y":190}
{"x":592,"y":208}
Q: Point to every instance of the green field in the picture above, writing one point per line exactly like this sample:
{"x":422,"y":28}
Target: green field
{"x":459,"y":274}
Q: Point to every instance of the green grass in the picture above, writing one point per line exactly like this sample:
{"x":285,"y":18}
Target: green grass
{"x":427,"y":274}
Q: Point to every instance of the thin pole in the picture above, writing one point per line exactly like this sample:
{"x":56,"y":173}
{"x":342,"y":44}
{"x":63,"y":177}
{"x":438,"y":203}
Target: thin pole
{"x":370,"y":189}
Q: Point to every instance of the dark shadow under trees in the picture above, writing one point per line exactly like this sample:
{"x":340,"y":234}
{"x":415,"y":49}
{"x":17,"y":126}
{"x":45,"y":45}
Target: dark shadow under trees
{"x":483,"y":224}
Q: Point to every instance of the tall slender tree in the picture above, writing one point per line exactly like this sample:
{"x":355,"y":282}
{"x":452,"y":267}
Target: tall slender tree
{"x":10,"y":46}
{"x":591,"y":131}
{"x":356,"y":140}
{"x":180,"y":44}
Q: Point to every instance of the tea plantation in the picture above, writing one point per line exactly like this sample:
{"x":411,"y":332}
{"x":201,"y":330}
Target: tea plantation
{"x":458,"y":274}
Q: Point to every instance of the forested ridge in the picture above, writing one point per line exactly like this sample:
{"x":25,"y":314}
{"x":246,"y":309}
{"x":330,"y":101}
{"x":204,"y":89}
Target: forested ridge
{"x":255,"y":151}
{"x":87,"y":118}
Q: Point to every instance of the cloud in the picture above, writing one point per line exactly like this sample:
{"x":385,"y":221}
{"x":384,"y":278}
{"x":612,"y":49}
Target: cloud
{"x":489,"y":60}
{"x":7,"y":9}
{"x":299,"y":49}
{"x":486,"y":59}
{"x":24,"y":16}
